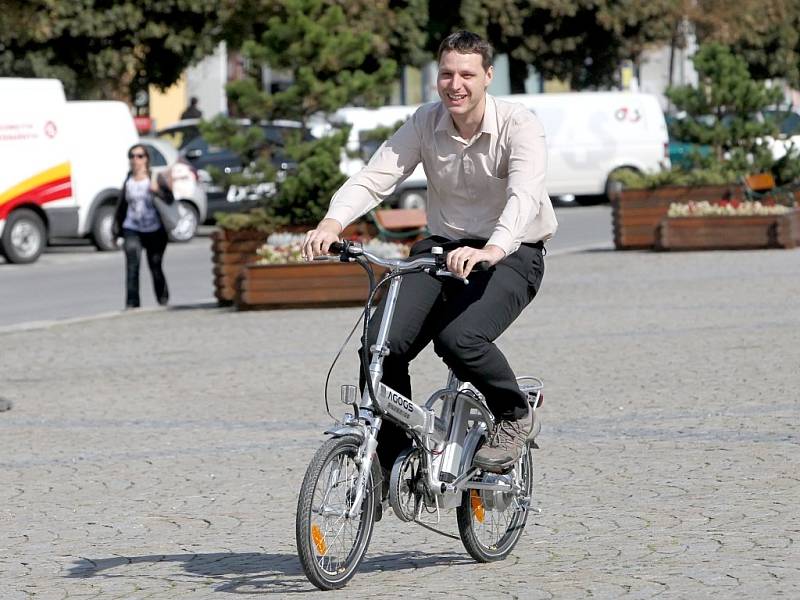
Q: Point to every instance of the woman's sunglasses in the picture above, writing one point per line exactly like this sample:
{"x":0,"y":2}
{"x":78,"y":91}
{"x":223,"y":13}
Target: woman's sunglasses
{"x":136,"y":155}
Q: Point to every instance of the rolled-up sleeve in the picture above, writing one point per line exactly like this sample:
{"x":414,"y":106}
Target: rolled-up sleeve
{"x":525,"y":192}
{"x":394,"y":161}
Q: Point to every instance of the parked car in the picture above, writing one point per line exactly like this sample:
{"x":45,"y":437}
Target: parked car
{"x":186,"y":187}
{"x":680,"y":151}
{"x":788,"y":122}
{"x":186,"y":137}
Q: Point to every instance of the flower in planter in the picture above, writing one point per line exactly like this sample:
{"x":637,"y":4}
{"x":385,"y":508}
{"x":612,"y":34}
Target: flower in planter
{"x":285,"y":247}
{"x":725,"y":208}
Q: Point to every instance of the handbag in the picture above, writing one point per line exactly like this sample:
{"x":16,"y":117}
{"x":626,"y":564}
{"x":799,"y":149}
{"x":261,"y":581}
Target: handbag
{"x":169,"y":213}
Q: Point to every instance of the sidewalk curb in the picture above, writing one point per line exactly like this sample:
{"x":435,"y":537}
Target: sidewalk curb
{"x":37,"y":325}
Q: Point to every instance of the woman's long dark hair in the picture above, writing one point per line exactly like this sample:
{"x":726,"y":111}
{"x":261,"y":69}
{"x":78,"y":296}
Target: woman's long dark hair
{"x":146,"y":153}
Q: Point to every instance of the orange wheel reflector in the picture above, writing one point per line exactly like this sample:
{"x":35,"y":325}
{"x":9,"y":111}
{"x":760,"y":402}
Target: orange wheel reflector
{"x":319,"y":540}
{"x":477,"y":505}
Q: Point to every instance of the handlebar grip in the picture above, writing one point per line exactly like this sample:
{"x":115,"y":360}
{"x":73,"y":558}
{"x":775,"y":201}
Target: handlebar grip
{"x":481,"y":266}
{"x":337,"y":248}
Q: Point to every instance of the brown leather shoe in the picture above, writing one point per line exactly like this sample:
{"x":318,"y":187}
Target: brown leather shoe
{"x":505,"y":445}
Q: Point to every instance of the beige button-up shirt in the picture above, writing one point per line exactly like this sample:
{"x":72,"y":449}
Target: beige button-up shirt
{"x":488,"y":187}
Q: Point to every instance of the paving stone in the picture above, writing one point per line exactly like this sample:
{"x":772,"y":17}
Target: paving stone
{"x":160,"y":454}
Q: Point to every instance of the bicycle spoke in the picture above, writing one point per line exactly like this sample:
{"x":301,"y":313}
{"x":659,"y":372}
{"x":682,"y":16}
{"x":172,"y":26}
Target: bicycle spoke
{"x":337,"y":532}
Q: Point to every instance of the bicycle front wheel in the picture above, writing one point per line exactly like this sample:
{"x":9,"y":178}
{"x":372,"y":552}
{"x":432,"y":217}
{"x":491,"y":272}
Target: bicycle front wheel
{"x":330,"y":544}
{"x":490,"y":523}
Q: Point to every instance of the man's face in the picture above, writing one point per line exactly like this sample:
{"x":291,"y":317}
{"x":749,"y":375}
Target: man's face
{"x":462,"y":82}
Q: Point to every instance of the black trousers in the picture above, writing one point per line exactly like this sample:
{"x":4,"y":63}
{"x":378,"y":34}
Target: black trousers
{"x":463,"y":321}
{"x":154,"y":244}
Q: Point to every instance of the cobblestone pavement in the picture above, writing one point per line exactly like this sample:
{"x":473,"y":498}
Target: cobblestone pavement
{"x":159,"y":454}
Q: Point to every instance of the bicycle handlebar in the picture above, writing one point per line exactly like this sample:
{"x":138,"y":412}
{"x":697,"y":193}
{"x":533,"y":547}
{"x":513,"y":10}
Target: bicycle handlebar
{"x":435,"y":265}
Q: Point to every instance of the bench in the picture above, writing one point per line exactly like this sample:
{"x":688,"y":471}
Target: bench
{"x":761,"y":186}
{"x":400,"y":223}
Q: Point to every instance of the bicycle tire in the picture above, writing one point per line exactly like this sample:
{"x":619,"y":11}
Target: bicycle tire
{"x":316,"y":540}
{"x":476,"y":505}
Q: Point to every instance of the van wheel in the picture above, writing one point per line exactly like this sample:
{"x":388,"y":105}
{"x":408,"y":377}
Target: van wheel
{"x":413,"y":199}
{"x":187,"y":225}
{"x":24,"y":237}
{"x":103,"y":228}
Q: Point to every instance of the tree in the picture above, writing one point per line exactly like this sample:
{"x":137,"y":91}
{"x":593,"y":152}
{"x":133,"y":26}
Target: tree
{"x":105,"y":48}
{"x":336,"y":55}
{"x":583,"y":41}
{"x":765,"y":33}
{"x":722,"y":111}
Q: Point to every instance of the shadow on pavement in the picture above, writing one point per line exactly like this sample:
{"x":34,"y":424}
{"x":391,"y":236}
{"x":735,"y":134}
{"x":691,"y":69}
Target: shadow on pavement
{"x":257,"y":572}
{"x":195,"y":305}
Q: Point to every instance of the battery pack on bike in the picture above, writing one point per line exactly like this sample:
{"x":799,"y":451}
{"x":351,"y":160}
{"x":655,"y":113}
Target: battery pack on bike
{"x":402,"y":409}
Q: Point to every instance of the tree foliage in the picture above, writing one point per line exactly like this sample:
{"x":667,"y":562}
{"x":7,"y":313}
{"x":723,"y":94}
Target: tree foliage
{"x":765,"y":33}
{"x":723,"y":110}
{"x":105,"y":48}
{"x":333,"y":60}
{"x":583,"y":41}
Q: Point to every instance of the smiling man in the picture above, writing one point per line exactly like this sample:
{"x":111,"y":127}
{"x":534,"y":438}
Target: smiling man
{"x":485,"y":162}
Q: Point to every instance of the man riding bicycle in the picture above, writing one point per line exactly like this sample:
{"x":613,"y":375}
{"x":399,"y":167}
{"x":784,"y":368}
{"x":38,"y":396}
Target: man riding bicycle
{"x":485,"y":161}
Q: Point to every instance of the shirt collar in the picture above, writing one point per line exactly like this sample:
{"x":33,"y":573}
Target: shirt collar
{"x":488,"y":125}
{"x":444,"y":122}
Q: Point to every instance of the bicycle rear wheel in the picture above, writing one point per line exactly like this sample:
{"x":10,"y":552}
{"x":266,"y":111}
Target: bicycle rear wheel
{"x":490,"y":523}
{"x":331,"y":545}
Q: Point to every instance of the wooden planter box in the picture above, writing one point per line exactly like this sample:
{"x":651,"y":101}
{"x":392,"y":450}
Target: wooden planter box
{"x":636,"y":215}
{"x":232,"y":250}
{"x":730,"y":233}
{"x":298,"y":285}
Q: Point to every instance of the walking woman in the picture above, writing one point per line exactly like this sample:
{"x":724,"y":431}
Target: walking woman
{"x":137,"y":221}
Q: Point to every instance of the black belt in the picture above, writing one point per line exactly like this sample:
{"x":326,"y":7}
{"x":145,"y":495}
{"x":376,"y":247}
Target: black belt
{"x":474,"y":243}
{"x":538,"y":245}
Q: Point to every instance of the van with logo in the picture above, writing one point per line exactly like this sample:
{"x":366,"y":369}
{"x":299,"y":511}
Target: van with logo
{"x":590,"y":135}
{"x":62,"y":166}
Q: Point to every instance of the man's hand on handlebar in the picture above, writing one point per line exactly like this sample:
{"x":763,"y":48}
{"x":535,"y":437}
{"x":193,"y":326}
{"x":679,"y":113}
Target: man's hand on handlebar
{"x":462,"y":260}
{"x":319,"y":240}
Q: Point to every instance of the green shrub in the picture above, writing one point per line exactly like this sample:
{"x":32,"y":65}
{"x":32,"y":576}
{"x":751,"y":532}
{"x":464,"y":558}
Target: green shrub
{"x":303,"y":198}
{"x":255,"y":218}
{"x":708,"y":176}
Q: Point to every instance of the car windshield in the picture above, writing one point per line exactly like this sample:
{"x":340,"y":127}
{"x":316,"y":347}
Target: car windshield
{"x":157,"y":159}
{"x":179,"y":137}
{"x":788,"y":122}
{"x":188,"y":136}
{"x":280,"y":134}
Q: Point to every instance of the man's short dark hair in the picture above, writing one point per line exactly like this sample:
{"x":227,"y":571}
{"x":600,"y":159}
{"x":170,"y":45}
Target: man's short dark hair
{"x":466,"y":42}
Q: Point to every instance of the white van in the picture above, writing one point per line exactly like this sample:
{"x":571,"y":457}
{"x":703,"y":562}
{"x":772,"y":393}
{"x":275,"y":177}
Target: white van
{"x":589,"y":136}
{"x":411,"y":192}
{"x":62,"y":166}
{"x":592,"y":134}
{"x":98,"y":136}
